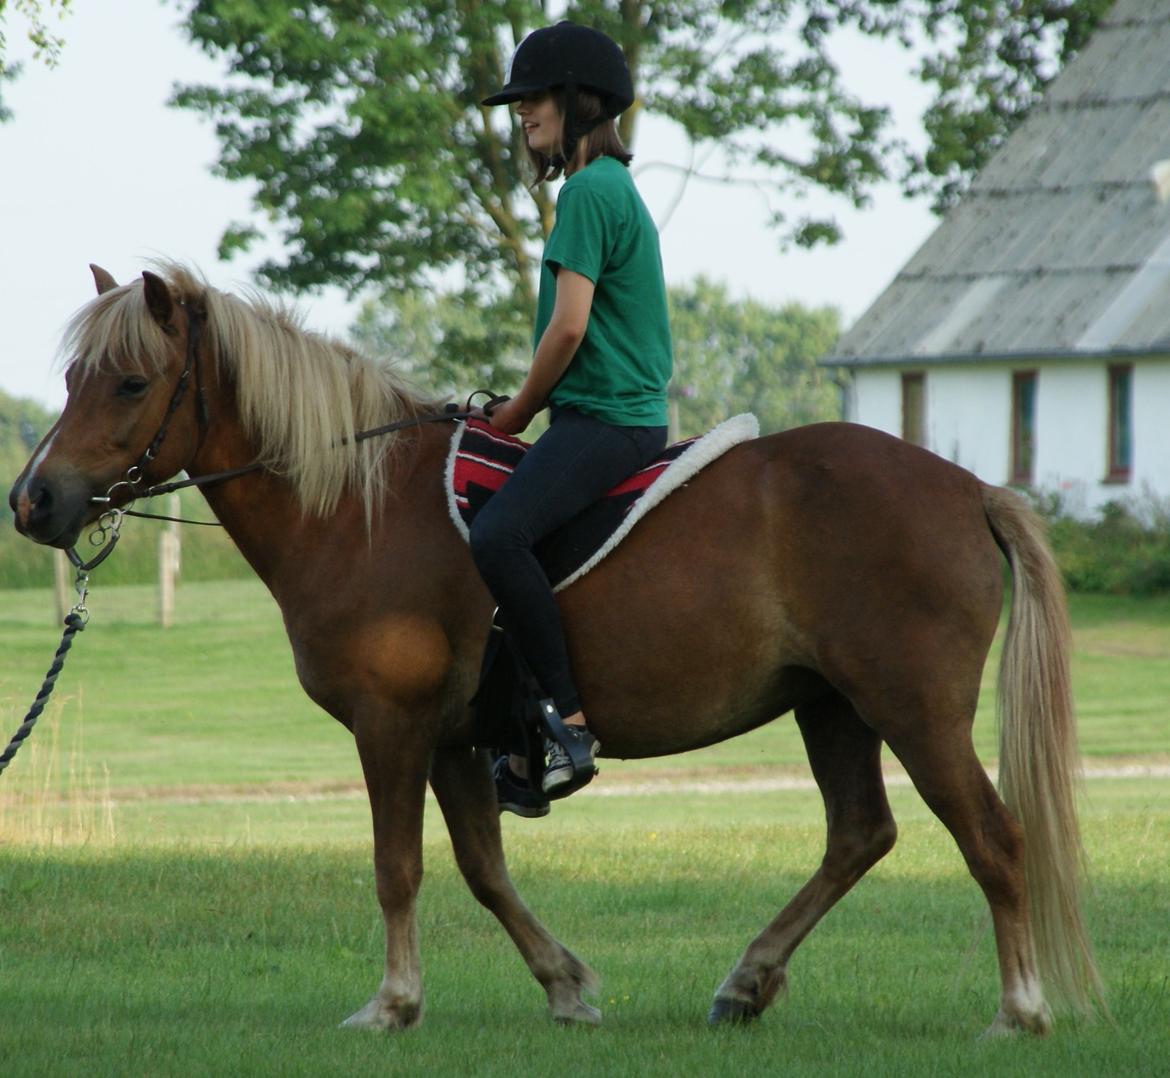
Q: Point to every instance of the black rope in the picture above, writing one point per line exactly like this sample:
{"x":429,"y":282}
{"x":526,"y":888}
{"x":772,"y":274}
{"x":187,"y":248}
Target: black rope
{"x":74,"y":623}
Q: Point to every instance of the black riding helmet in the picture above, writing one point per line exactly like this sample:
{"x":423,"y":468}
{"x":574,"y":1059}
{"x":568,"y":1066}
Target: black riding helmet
{"x":575,"y":57}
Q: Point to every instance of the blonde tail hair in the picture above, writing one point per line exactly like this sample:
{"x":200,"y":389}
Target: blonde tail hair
{"x":1039,"y":764}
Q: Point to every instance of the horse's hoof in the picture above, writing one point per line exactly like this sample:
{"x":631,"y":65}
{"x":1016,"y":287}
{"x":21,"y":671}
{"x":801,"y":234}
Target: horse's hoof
{"x":1037,"y":1023}
{"x":731,"y":1012}
{"x":580,"y":1015}
{"x":377,"y":1015}
{"x":564,"y":994}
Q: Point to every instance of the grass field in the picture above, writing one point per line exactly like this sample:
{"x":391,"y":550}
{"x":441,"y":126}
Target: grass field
{"x":186,"y":886}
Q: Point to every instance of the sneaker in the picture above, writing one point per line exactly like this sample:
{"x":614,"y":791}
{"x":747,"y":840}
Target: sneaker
{"x":517,"y":795}
{"x":559,"y":770}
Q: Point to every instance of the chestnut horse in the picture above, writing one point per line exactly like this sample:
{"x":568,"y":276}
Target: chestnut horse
{"x":832,"y":571}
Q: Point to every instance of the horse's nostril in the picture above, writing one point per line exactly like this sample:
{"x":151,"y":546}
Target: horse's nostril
{"x":40,"y":495}
{"x":33,"y":503}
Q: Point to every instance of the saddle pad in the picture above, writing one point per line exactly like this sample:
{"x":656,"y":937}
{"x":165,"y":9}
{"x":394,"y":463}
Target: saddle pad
{"x":481,"y":459}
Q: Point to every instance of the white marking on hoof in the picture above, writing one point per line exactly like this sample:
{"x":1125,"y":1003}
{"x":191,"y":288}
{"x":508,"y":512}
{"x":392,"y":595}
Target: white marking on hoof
{"x":1023,"y":1011}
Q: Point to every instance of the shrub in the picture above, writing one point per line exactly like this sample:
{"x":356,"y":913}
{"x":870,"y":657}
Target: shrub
{"x":1124,"y":551}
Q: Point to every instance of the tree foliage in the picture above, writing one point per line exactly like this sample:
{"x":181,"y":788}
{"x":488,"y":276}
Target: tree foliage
{"x":445,"y":345}
{"x":46,"y":45}
{"x":23,"y":423}
{"x":736,"y":356}
{"x":998,"y":59}
{"x":731,"y":355}
{"x":359,"y":123}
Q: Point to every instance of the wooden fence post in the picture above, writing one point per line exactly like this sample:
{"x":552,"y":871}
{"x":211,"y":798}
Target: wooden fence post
{"x":61,"y":581}
{"x":168,"y":565}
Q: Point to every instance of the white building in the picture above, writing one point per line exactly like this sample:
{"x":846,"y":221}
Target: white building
{"x":1029,"y":338}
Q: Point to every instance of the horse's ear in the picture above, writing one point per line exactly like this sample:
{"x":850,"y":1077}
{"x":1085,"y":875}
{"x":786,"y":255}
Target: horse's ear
{"x":158,"y":298}
{"x":102,"y":279}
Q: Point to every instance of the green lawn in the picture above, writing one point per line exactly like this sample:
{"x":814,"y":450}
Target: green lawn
{"x":214,"y":701}
{"x":194,"y":957}
{"x":186,"y":886}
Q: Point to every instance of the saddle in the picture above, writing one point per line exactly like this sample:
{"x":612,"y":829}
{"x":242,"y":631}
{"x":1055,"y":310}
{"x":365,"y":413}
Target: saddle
{"x":481,"y":459}
{"x":512,"y":713}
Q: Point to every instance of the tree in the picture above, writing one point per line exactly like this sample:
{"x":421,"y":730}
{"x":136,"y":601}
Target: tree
{"x":731,"y":355}
{"x":358,"y":120}
{"x":1004,"y":55}
{"x":444,"y":346}
{"x":46,"y":45}
{"x":744,"y":356}
{"x":23,"y":423}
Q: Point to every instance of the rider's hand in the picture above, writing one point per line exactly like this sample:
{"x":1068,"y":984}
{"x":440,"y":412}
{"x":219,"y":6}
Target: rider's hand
{"x":511,"y":416}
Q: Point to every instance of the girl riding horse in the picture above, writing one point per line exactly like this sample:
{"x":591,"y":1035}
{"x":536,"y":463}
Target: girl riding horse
{"x":602,"y":361}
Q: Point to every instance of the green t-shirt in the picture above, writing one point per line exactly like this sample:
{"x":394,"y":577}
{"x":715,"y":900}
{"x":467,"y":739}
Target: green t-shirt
{"x":603,"y":231}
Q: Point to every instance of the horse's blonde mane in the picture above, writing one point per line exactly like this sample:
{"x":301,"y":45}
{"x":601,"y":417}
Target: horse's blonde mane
{"x":301,"y":396}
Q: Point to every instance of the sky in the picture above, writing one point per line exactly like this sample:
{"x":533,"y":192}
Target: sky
{"x":94,"y":167}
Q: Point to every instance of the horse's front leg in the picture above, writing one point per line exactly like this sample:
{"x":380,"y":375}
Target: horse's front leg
{"x":395,"y":755}
{"x":461,"y":779}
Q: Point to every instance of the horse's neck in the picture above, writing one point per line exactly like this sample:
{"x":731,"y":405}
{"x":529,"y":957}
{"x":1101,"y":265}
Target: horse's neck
{"x":283,"y":544}
{"x":254,"y":508}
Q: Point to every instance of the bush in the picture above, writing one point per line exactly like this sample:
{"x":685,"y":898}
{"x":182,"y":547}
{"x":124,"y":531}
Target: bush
{"x":1125,"y":551}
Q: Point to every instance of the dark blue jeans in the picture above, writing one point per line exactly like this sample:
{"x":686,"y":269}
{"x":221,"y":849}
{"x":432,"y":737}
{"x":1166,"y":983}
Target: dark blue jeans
{"x":571,"y":466}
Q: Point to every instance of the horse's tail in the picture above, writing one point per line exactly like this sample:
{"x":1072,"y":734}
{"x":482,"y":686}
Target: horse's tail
{"x":1039,"y":764}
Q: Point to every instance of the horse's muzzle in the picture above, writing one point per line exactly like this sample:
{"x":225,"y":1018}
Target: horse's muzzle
{"x":51,"y":510}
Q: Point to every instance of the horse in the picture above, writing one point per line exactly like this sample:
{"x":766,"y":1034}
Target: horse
{"x":832,"y":571}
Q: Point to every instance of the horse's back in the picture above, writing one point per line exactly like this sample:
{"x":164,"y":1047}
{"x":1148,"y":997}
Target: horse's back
{"x":843,"y":501}
{"x":794,"y":565}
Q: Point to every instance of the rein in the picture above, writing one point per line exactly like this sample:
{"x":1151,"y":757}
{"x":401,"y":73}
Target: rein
{"x":452,"y":413}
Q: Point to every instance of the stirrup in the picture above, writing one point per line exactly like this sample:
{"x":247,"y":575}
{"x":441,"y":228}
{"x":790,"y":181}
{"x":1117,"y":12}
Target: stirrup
{"x":579,"y":751}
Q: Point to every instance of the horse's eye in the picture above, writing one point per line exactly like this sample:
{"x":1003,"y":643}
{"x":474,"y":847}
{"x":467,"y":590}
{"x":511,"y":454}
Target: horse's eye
{"x":132,"y":387}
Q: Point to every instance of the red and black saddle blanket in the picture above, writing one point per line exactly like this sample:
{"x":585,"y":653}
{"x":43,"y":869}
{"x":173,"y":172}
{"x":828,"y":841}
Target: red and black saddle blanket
{"x":481,"y":459}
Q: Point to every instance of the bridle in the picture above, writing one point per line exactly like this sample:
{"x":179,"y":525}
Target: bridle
{"x":107,"y":528}
{"x":109,"y":524}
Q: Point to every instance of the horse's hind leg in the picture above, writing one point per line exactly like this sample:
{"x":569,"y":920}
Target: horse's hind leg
{"x":845,"y":757}
{"x":948,"y":775}
{"x":462,"y":782}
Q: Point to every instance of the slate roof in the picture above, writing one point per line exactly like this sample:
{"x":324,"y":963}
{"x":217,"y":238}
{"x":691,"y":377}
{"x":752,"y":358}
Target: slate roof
{"x":1062,"y":244}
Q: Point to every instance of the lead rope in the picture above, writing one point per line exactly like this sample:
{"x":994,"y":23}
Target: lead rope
{"x":75,"y":621}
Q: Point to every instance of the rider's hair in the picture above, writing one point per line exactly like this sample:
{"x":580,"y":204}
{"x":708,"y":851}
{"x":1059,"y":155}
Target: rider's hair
{"x":602,"y":141}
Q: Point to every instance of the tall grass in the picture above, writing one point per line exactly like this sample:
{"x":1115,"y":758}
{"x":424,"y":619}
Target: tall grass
{"x":60,"y":795}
